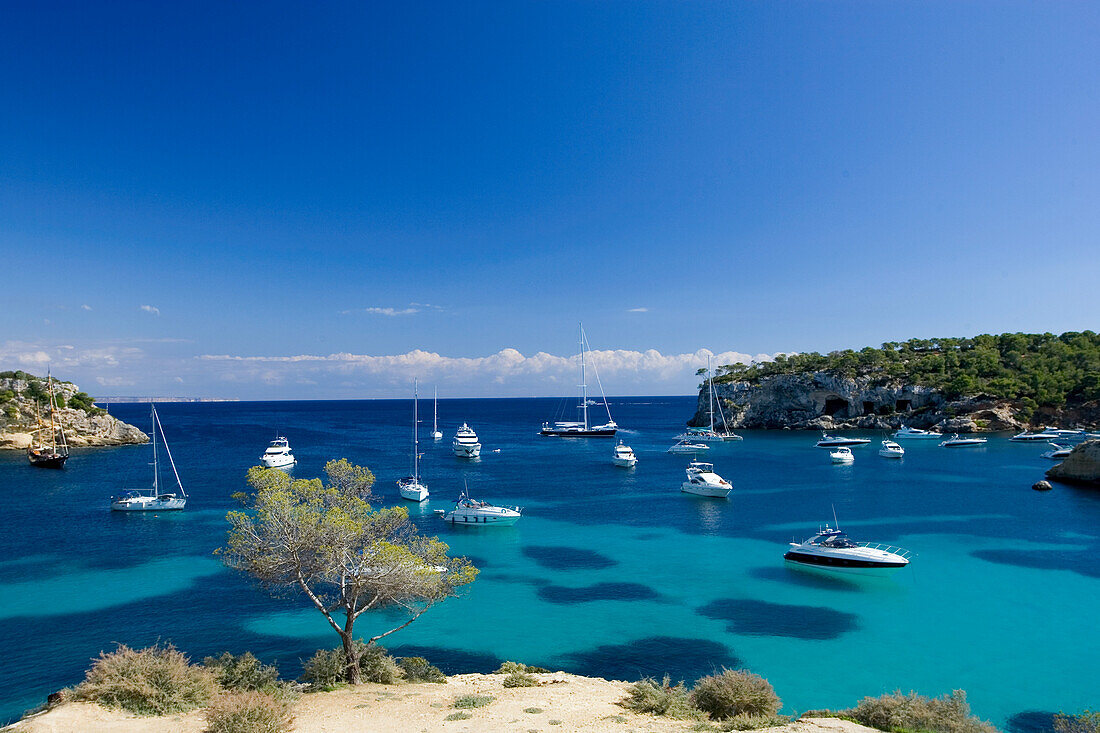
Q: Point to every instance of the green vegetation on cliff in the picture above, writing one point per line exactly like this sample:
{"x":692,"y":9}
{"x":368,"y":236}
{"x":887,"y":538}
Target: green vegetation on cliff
{"x":1035,"y":369}
{"x":37,"y":391}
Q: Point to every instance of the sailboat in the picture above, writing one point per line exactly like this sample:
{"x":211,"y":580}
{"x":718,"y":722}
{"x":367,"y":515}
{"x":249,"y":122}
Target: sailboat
{"x":710,"y":435}
{"x":436,"y":434}
{"x":56,"y":453}
{"x":581,"y":429}
{"x":154,"y":500}
{"x":410,"y":486}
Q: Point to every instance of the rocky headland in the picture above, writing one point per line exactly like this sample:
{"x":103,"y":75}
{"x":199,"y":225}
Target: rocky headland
{"x":84,"y":424}
{"x":1081,"y":466}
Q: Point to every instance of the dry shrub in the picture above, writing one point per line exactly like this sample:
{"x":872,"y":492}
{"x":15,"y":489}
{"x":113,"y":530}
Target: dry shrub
{"x":248,"y":712}
{"x":157,"y":680}
{"x":419,"y":669}
{"x":745,"y":721}
{"x":734,"y":692}
{"x":1086,"y":722}
{"x":512,"y":667}
{"x":945,"y":714}
{"x":659,"y":698}
{"x":243,"y":672}
{"x":327,"y":668}
{"x":472,"y":701}
{"x":520,"y":679}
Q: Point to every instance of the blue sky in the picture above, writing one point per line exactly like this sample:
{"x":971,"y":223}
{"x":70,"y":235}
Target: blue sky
{"x":467,"y":179}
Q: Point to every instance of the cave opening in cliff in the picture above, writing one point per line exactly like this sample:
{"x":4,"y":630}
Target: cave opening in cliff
{"x":903,"y":405}
{"x":868,"y":407}
{"x":836,"y":407}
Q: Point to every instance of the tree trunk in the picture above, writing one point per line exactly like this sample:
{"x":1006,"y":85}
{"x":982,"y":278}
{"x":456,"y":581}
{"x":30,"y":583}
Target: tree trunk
{"x":351,"y":656}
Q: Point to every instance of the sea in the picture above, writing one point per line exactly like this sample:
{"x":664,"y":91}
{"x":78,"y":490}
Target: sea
{"x":610,"y":572}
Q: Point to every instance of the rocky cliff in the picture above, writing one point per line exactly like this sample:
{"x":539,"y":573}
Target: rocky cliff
{"x":83,"y":425}
{"x":1081,"y":466}
{"x":825,"y":401}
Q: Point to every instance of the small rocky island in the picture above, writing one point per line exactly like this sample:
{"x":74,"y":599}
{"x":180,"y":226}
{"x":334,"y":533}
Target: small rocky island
{"x":986,"y":383}
{"x":23,"y":396}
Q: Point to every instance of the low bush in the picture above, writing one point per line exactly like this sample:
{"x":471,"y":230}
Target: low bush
{"x":243,"y":672}
{"x":472,"y":701}
{"x":512,"y":667}
{"x":659,"y":698}
{"x":1086,"y":722}
{"x":157,"y":680}
{"x":945,"y":714}
{"x":459,"y":715}
{"x":248,"y":712}
{"x":734,"y":692}
{"x":745,"y":721}
{"x":377,"y":666}
{"x":419,"y":669}
{"x":520,"y":679}
{"x":327,"y":668}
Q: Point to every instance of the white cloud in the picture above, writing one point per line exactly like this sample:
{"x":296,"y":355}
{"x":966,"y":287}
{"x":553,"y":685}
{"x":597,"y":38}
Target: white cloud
{"x":374,"y":311}
{"x":114,"y":382}
{"x":637,"y":310}
{"x":86,"y":307}
{"x":150,"y":309}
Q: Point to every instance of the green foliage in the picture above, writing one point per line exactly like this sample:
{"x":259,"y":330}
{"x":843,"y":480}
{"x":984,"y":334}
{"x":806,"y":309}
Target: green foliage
{"x":913,"y":712}
{"x":472,"y":701}
{"x":375,"y":665}
{"x":243,"y":672}
{"x":419,"y":669}
{"x":81,"y":401}
{"x":1086,"y":722}
{"x":459,"y":715}
{"x":533,"y":711}
{"x":511,"y":667}
{"x":11,"y":411}
{"x":6,"y":396}
{"x":328,"y":668}
{"x":734,"y":692}
{"x":659,"y":698}
{"x":1047,"y":369}
{"x":157,"y":680}
{"x":248,"y":712}
{"x":745,"y":721}
{"x":519,"y":679}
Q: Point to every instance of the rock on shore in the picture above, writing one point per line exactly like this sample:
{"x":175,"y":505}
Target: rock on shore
{"x":82,"y":428}
{"x":1081,"y":466}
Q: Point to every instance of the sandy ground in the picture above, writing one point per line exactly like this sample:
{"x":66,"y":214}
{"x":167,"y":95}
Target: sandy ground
{"x":563,"y":702}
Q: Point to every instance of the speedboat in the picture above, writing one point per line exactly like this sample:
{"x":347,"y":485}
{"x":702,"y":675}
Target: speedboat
{"x":842,"y":455}
{"x":832,"y":549}
{"x":956,"y":442}
{"x":890,"y":449}
{"x":623,"y":455}
{"x":1044,"y":434}
{"x":907,"y":432}
{"x":155,"y":500}
{"x":1057,"y":452}
{"x":833,"y":441}
{"x":703,"y":481}
{"x":465,"y":444}
{"x":472,"y":511}
{"x":688,"y":447}
{"x":278,"y":454}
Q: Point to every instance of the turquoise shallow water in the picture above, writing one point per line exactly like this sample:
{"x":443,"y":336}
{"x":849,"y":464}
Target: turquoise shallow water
{"x":610,"y":572}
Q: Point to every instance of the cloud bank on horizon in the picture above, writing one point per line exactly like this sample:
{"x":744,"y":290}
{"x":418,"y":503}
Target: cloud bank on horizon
{"x":129,"y":369}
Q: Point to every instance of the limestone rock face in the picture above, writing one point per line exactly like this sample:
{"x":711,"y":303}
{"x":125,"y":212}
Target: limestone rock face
{"x":1082,"y":465}
{"x":17,"y":420}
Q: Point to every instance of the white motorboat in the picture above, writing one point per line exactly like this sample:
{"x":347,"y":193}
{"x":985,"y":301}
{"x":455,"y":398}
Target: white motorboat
{"x":623,"y":455}
{"x":916,"y":433}
{"x":410,"y":487}
{"x":835,"y":441}
{"x":703,"y":481}
{"x":153,"y":500}
{"x":687,"y":447}
{"x":436,"y":433}
{"x":465,"y":443}
{"x":956,"y":442}
{"x":842,"y":454}
{"x":1043,"y":434}
{"x":278,"y":454}
{"x":1057,"y":452}
{"x":581,"y":428}
{"x":890,"y":449}
{"x":471,"y":511}
{"x":832,"y":549}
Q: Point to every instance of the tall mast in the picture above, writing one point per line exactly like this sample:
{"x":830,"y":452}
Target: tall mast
{"x":584,"y":384}
{"x":416,"y":436}
{"x":435,"y":412}
{"x":156,"y":472}
{"x":710,"y":394}
{"x":53,"y":425}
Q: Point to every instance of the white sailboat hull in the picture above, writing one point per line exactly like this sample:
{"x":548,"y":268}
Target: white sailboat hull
{"x":148,"y":504}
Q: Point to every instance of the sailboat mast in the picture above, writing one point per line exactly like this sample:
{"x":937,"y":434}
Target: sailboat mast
{"x":435,"y":412}
{"x":53,"y":425}
{"x":156,"y":472}
{"x":168,"y":450}
{"x":584,"y":384}
{"x":416,"y":434}
{"x":710,"y":393}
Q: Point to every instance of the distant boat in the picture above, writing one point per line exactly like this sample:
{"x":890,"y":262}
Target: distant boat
{"x":436,"y":434}
{"x":1044,"y":434}
{"x":623,"y":455}
{"x":410,"y":487}
{"x":581,"y":428}
{"x":832,"y":549}
{"x":53,"y":454}
{"x":465,"y":443}
{"x":688,"y":447}
{"x":842,"y":455}
{"x":1057,"y":452}
{"x":703,"y":481}
{"x":956,"y":442}
{"x":471,"y":511}
{"x":154,"y":500}
{"x":907,"y":432}
{"x":710,"y":434}
{"x":830,"y":441}
{"x":890,"y":449}
{"x":278,"y":454}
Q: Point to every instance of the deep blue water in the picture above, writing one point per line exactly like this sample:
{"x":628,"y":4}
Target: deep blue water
{"x":610,"y":572}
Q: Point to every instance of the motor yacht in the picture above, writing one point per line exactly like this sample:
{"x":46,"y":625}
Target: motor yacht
{"x":842,"y":455}
{"x":623,"y":455}
{"x":834,"y":441}
{"x":1057,"y":452}
{"x":890,"y":449}
{"x":465,"y":444}
{"x":278,"y":454}
{"x":832,"y":549}
{"x":703,"y":481}
{"x":1043,"y":434}
{"x":153,"y":500}
{"x":956,"y":442}
{"x":916,"y":433}
{"x":471,"y":511}
{"x":687,"y":447}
